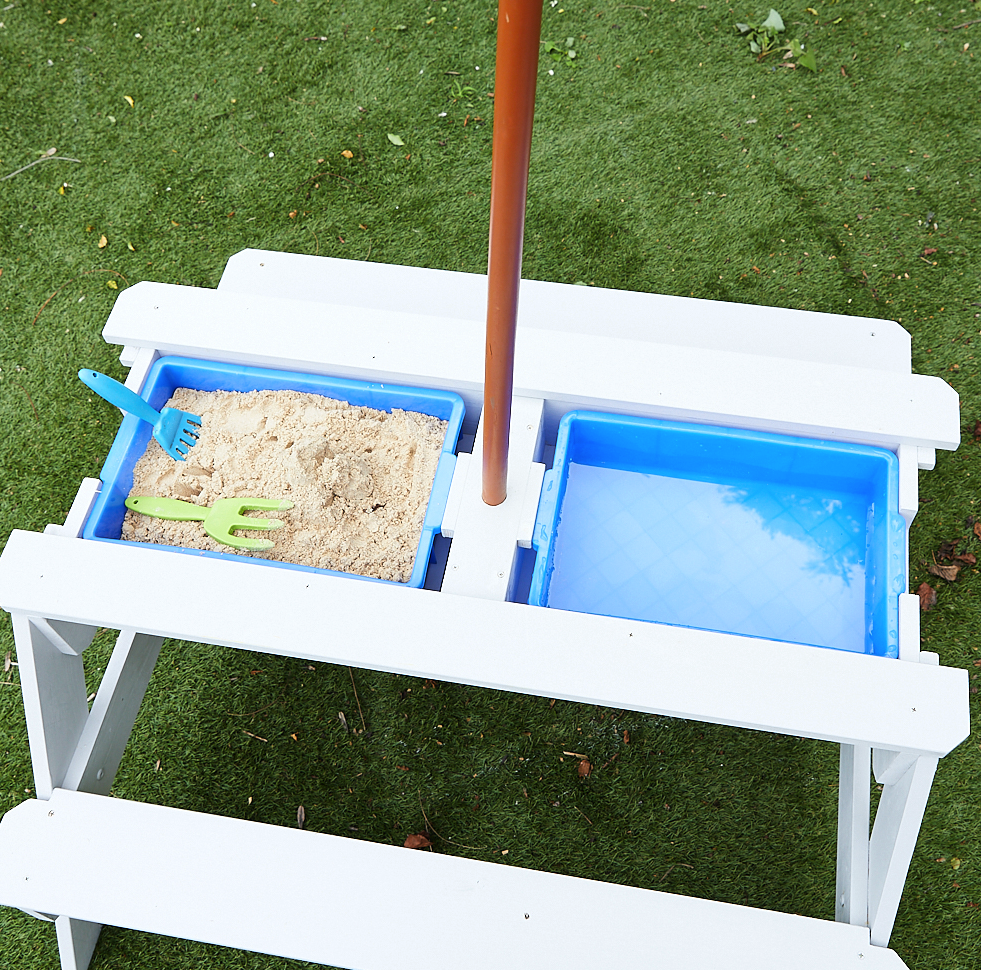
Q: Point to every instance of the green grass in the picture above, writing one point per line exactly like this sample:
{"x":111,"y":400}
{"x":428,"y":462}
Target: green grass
{"x":667,"y":160}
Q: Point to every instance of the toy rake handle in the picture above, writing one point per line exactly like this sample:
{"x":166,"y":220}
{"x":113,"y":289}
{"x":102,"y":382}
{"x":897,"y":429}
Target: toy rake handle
{"x":519,"y":26}
{"x":172,"y":509}
{"x":118,"y":394}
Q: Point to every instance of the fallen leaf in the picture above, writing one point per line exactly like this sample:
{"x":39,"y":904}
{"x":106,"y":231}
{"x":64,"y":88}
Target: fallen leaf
{"x":944,"y":572}
{"x":130,"y":246}
{"x":347,"y":153}
{"x":977,"y":430}
{"x":955,"y":863}
{"x":967,"y":557}
{"x":63,"y":20}
{"x":129,"y":100}
{"x":103,"y":242}
{"x":6,"y":663}
{"x":417,"y":841}
{"x":156,"y":767}
{"x":928,"y":597}
{"x":584,"y":768}
{"x":343,"y":720}
{"x":977,"y":529}
{"x":929,"y":251}
{"x":394,"y":139}
{"x":301,"y":817}
{"x":360,"y":226}
{"x":947,"y":549}
{"x":50,"y":151}
{"x":112,"y":284}
{"x":626,"y":736}
{"x":293,"y":214}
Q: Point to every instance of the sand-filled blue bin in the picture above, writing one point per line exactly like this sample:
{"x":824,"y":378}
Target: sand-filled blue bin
{"x":745,"y":532}
{"x":105,"y":521}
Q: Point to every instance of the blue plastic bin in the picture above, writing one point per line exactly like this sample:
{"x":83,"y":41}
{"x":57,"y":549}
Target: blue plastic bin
{"x":105,"y":521}
{"x":742,"y":532}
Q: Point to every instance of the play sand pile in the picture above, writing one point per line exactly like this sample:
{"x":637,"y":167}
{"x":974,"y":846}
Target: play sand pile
{"x":359,"y":478}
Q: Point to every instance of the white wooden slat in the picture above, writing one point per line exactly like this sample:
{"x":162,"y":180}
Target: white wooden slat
{"x":567,"y":370}
{"x":852,"y":884}
{"x":53,"y":687}
{"x":485,"y":537}
{"x":81,"y":506}
{"x":893,"y":839}
{"x":682,"y":321}
{"x":361,"y":905}
{"x":909,"y":627}
{"x":649,"y":667}
{"x":108,"y":726}
{"x":76,"y":942}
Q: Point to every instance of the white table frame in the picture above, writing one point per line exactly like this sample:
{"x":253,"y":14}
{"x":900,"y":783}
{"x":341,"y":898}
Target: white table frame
{"x":810,"y":374}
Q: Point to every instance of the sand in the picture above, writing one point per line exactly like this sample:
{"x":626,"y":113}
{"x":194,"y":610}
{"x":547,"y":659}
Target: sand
{"x":359,"y":478}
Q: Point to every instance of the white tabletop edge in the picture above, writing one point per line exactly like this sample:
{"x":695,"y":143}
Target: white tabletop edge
{"x":714,"y":677}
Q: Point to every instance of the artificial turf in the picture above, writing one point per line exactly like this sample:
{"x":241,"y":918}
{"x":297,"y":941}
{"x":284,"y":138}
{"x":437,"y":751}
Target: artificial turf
{"x":666,"y":159}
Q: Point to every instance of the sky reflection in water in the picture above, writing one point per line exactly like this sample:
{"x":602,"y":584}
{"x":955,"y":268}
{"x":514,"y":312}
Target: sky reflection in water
{"x":775,"y":561}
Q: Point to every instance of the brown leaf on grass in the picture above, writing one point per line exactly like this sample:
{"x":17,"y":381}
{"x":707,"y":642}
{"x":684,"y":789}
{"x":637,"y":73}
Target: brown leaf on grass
{"x":948,"y":549}
{"x":944,"y":572}
{"x":929,"y":251}
{"x":417,"y":841}
{"x":967,"y":557}
{"x":977,"y":529}
{"x":977,"y":431}
{"x":626,"y":736}
{"x":103,"y":242}
{"x":928,"y":597}
{"x":584,"y":768}
{"x":347,"y":153}
{"x":301,"y":817}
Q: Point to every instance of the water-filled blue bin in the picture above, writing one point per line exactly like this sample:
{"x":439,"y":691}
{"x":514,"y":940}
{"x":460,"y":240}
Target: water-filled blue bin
{"x":745,"y":532}
{"x":168,"y":373}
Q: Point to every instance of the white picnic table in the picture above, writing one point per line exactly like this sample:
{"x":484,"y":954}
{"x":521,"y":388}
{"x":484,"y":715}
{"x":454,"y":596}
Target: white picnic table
{"x":82,"y":859}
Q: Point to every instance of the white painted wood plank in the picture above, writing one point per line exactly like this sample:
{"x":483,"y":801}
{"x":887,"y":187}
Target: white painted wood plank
{"x":568,"y":370}
{"x":897,"y":824}
{"x":770,"y":331}
{"x":76,"y":942}
{"x":909,"y":626}
{"x":485,"y":537}
{"x":852,"y":885}
{"x":909,"y":473}
{"x":53,"y":687}
{"x":82,"y":504}
{"x":714,"y":677}
{"x":356,"y":904}
{"x":117,"y":702}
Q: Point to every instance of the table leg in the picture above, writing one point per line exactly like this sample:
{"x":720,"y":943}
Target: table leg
{"x":897,"y":824}
{"x":852,"y":889}
{"x":71,"y":747}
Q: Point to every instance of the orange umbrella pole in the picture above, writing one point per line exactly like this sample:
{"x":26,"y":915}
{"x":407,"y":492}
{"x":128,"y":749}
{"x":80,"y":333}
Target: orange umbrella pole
{"x":519,"y":25}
